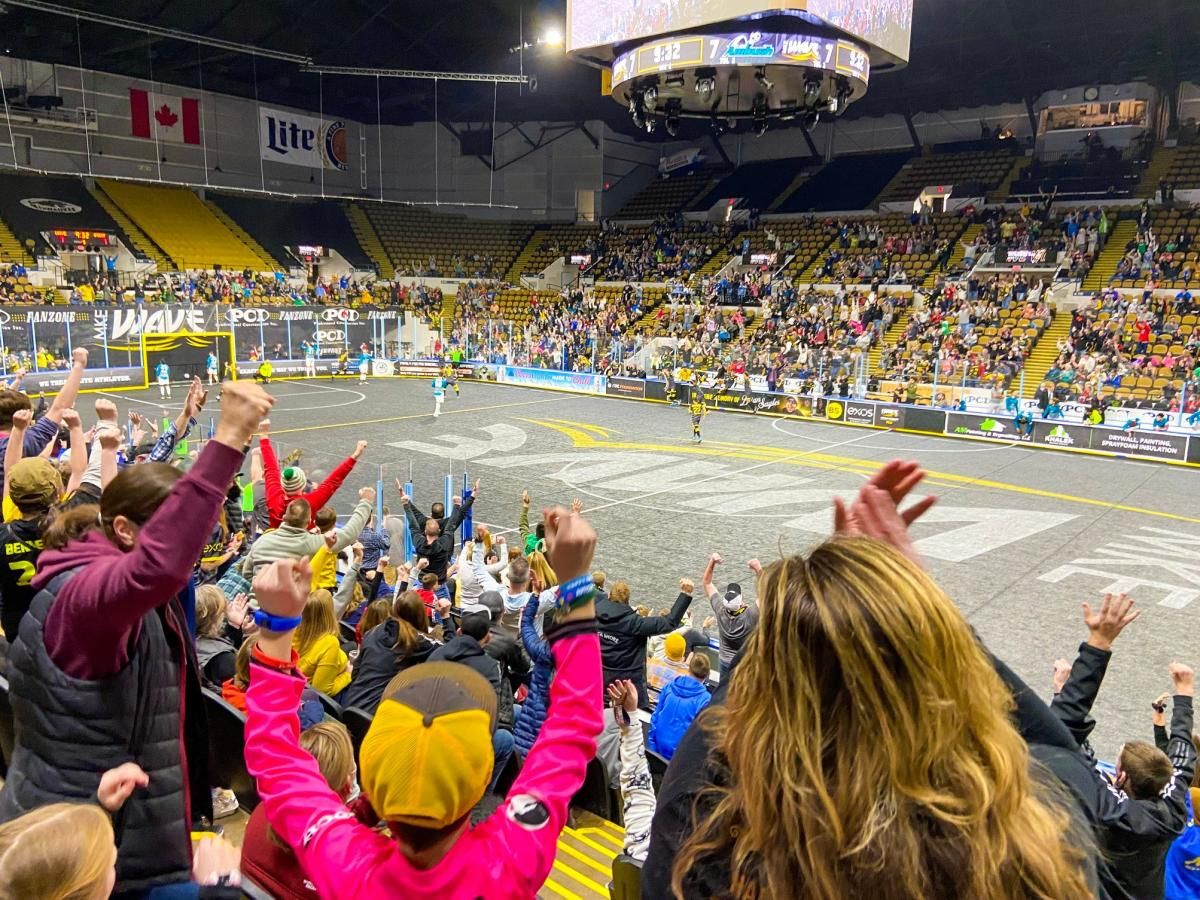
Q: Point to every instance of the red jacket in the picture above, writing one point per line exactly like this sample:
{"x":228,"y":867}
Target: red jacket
{"x":277,"y":500}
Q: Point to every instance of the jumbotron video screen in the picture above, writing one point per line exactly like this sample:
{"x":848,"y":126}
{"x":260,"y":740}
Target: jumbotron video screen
{"x":597,"y":23}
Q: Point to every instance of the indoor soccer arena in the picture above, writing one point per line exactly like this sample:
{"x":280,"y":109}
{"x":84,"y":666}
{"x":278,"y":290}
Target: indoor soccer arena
{"x":611,"y":449}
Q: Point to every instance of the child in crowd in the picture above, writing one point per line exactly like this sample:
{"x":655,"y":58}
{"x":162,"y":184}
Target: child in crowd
{"x":321,"y":657}
{"x":427,"y":759}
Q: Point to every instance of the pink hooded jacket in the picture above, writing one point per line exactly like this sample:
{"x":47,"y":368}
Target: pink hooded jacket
{"x":503,"y":857}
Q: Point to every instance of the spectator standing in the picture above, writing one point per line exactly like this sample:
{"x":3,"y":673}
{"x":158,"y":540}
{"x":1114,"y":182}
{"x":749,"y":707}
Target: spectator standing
{"x":623,"y":634}
{"x":34,"y":486}
{"x":106,"y":641}
{"x":736,"y":618}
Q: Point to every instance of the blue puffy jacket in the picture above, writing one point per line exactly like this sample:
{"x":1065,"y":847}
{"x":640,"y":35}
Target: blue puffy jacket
{"x":679,"y":702}
{"x":533,"y":711}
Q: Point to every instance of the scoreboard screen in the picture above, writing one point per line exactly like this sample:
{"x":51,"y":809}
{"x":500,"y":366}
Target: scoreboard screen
{"x":65,"y":238}
{"x":754,"y":48}
{"x":591,"y":24}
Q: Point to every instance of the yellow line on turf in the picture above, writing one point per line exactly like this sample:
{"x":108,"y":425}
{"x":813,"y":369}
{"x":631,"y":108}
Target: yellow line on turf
{"x":445,"y":412}
{"x":595,"y":429}
{"x":581,"y":440}
{"x":561,"y":891}
{"x":603,"y":835}
{"x":566,"y":848}
{"x":601,"y":889}
{"x":579,"y":836}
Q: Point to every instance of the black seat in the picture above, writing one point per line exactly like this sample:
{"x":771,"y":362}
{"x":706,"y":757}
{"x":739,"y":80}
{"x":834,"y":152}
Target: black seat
{"x":226,"y":741}
{"x":8,"y":731}
{"x":658,"y":768}
{"x":358,"y":723}
{"x":348,"y":633}
{"x":627,"y":878}
{"x":333,"y":709}
{"x":597,"y":796}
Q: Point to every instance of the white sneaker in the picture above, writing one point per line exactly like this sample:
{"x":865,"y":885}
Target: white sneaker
{"x":224,"y":803}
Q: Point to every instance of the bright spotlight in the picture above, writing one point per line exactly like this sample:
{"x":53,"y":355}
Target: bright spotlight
{"x":553,"y":35}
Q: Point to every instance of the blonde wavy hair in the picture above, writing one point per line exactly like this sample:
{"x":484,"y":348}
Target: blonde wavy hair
{"x":867,"y":750}
{"x":64,"y":851}
{"x":543,"y":576}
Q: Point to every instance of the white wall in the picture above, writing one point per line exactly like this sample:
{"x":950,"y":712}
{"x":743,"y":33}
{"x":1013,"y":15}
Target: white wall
{"x":420,"y":163}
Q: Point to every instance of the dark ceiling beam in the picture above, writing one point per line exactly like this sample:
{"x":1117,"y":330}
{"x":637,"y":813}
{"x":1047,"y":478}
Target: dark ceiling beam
{"x":587,"y":134}
{"x":912,"y":131}
{"x":542,"y":143}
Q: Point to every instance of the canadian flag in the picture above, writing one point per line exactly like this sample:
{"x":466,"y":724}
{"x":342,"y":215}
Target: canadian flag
{"x":174,"y":119}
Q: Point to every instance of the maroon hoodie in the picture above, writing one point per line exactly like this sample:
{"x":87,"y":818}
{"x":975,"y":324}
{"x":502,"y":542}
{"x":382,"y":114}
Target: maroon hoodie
{"x":93,"y":623}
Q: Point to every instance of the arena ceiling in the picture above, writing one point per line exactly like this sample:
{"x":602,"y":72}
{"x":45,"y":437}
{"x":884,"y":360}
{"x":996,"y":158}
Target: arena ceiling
{"x":964,"y":52}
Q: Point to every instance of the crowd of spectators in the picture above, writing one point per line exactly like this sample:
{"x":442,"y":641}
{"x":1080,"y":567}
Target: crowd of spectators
{"x":1129,"y":347}
{"x":979,"y":335}
{"x":864,"y":252}
{"x":1151,"y":258}
{"x":668,"y":248}
{"x":387,"y":706}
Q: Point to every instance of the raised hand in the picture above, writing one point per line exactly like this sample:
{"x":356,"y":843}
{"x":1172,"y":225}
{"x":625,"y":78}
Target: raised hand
{"x":577,"y":506}
{"x":117,"y":784}
{"x":106,"y":410}
{"x":281,"y":588}
{"x":525,"y":498}
{"x":109,"y":439}
{"x":22,"y":419}
{"x":687,"y":586}
{"x":357,"y":549}
{"x":1062,"y":671}
{"x":71,"y":419}
{"x":358,"y":450}
{"x":869,"y":514}
{"x":79,"y":357}
{"x":755,"y":566}
{"x":236,"y":611}
{"x":1105,"y":625}
{"x":243,"y":407}
{"x":1183,"y":679}
{"x":570,"y":543}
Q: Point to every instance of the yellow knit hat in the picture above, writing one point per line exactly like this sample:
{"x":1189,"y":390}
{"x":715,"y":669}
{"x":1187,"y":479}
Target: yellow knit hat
{"x":427,"y":758}
{"x":675,"y":646}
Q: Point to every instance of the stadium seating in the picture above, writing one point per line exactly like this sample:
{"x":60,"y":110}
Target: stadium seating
{"x":664,"y":196}
{"x":983,"y":168}
{"x":1184,"y":172}
{"x":1177,"y":232}
{"x":184,"y":227}
{"x":548,"y":244}
{"x":455,"y":245}
{"x":1078,"y":179}
{"x":848,"y":182}
{"x":29,"y":220}
{"x":840,"y":256}
{"x":279,"y":224}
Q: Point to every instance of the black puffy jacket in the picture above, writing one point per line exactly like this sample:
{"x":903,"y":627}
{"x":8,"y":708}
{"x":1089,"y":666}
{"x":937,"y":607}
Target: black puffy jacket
{"x":623,"y":636}
{"x":378,"y":664}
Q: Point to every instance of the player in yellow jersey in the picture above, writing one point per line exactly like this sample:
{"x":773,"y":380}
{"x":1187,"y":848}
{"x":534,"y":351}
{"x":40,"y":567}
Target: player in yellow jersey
{"x":698,"y":410}
{"x":451,"y":378}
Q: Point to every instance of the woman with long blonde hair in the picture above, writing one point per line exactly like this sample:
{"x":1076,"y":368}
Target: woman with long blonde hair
{"x":64,"y":851}
{"x":865,"y":746}
{"x":322,"y":659}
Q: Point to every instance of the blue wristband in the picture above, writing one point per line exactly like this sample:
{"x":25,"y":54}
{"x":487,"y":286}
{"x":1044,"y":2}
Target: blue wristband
{"x":264,"y":619}
{"x":575,"y":591}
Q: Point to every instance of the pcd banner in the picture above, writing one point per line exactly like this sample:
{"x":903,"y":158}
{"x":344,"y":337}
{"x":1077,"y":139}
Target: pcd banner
{"x":1151,"y":444}
{"x":299,"y":140}
{"x":626,"y":387}
{"x":579,"y":382}
{"x":93,"y":379}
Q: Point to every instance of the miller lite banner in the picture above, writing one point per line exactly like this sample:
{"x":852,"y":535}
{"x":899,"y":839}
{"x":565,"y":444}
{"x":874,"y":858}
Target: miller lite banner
{"x":299,"y":140}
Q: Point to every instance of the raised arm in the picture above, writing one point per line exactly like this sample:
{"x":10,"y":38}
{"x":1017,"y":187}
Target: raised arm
{"x":1073,"y":704}
{"x":710,"y":590}
{"x":70,"y":390}
{"x":348,"y":533}
{"x":459,"y":514}
{"x":79,"y":452}
{"x":96,"y":614}
{"x":324,"y":492}
{"x":16,"y":442}
{"x":345,"y":591}
{"x":652,"y":625}
{"x":272,"y":480}
{"x":637,"y":787}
